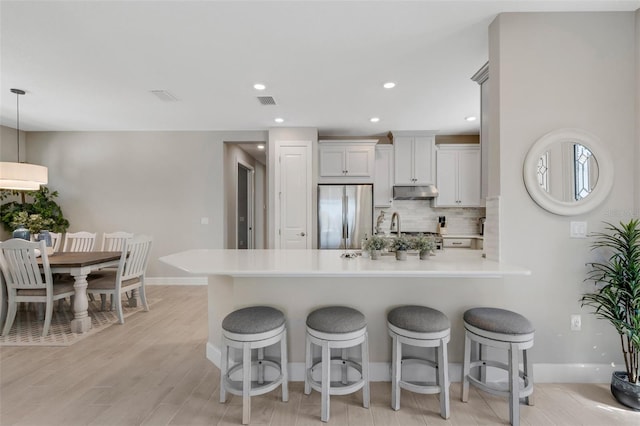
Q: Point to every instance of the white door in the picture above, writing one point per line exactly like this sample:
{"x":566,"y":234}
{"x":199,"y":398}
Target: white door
{"x":423,"y":160}
{"x":294,"y":194}
{"x":447,"y":178}
{"x":403,"y":155}
{"x":469,"y":182}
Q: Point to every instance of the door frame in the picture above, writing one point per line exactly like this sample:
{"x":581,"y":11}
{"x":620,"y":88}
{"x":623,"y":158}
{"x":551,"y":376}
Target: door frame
{"x":308,"y":145}
{"x":250,"y":220}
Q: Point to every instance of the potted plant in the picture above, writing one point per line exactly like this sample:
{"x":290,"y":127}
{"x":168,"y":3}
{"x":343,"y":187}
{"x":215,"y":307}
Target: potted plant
{"x":424,"y":244}
{"x":401,"y":244}
{"x":374,"y":245}
{"x":616,"y":298}
{"x":48,"y":213}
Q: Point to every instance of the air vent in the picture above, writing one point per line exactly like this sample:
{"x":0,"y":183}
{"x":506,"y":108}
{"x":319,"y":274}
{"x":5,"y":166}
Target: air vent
{"x":266,"y":100}
{"x":164,"y":95}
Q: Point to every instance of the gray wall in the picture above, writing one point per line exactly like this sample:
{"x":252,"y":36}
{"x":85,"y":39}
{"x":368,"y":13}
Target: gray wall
{"x":158,"y":183}
{"x":561,"y":70}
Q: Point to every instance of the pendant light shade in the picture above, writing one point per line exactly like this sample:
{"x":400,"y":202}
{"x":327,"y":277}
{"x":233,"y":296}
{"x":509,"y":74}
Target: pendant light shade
{"x":21,"y":176}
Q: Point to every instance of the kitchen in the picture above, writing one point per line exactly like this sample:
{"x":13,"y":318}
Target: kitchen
{"x":183,"y":181}
{"x":457,"y":219}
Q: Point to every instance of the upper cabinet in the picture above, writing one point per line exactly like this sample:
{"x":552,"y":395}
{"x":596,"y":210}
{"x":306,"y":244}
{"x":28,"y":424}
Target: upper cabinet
{"x":458,"y":176}
{"x":347,"y":160}
{"x":383,"y":180}
{"x":414,"y":154}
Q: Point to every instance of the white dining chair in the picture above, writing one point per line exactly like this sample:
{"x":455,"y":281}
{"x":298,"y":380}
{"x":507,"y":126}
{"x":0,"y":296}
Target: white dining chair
{"x":130,"y":274}
{"x":79,"y":241}
{"x":56,"y":240}
{"x":26,"y":281}
{"x":114,"y":241}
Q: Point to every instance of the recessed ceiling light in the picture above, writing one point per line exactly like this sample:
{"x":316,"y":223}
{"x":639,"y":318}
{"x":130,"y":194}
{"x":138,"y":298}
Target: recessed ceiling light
{"x":259,"y":86}
{"x":260,"y":146}
{"x":471,"y":118}
{"x":374,"y":119}
{"x":389,"y":85}
{"x":279,"y":120}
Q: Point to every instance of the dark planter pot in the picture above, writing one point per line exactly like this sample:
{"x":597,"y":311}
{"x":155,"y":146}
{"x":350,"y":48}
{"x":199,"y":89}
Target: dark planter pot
{"x":624,"y":392}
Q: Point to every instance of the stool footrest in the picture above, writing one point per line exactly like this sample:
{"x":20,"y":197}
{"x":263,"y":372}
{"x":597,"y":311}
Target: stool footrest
{"x":424,"y":388}
{"x":235,"y":386}
{"x":337,"y":387}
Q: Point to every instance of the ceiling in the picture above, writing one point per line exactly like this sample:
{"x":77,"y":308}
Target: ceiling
{"x":91,"y":65}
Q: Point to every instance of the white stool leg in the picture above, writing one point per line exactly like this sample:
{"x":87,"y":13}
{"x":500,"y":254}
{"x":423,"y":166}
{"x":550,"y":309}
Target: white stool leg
{"x":260,"y":366}
{"x":246,"y":383}
{"x":482,"y":355}
{"x":326,"y":382}
{"x":366,"y":396}
{"x":344,"y":366}
{"x":284,"y":366}
{"x":514,"y":386}
{"x":528,"y":373}
{"x":443,"y":378}
{"x":396,"y":371}
{"x":466,"y":367}
{"x":308,"y":362}
{"x":224,"y":367}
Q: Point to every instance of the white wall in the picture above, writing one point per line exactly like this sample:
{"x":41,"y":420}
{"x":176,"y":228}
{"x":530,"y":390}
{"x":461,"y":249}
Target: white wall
{"x":637,"y":73}
{"x":158,"y":183}
{"x":560,"y":70}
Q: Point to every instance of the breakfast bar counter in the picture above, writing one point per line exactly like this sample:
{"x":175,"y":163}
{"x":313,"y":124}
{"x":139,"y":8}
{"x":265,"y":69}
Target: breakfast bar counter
{"x":298,"y":281}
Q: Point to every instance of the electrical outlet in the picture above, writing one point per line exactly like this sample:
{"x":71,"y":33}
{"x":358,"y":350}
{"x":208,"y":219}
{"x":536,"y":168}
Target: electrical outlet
{"x":576,"y":322}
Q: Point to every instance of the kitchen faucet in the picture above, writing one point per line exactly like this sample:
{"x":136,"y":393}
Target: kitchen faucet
{"x":393,"y":221}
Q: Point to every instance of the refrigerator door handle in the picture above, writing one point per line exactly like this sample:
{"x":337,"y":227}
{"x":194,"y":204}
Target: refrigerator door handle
{"x":346,"y":216}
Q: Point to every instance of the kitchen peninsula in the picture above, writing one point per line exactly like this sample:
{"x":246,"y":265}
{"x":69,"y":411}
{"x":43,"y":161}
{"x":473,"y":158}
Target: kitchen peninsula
{"x":297,"y":281}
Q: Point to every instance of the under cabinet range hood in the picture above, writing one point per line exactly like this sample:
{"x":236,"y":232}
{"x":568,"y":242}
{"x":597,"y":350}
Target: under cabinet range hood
{"x":425,"y":192}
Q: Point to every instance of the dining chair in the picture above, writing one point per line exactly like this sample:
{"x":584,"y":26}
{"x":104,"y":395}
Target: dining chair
{"x":56,"y":239}
{"x":79,"y":241}
{"x":26,"y":281}
{"x":113,"y":241}
{"x":130,"y":274}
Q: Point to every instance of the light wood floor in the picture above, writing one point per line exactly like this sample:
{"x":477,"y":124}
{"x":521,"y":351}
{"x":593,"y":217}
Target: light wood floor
{"x":152,"y":371}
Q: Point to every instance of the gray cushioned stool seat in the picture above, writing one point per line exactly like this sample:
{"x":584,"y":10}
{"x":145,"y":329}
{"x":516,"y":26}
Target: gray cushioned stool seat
{"x":253,"y":320}
{"x":498,"y":321}
{"x":419,"y":319}
{"x":336,"y":319}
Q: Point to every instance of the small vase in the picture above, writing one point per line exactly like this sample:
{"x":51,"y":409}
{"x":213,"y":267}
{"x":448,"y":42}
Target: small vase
{"x":401,"y":255}
{"x":22,"y":232}
{"x":44,"y":236}
{"x":425,"y":255}
{"x":375,"y":254}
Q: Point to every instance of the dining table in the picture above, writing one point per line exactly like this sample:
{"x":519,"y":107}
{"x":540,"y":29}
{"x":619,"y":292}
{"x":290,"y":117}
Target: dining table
{"x":79,"y":265}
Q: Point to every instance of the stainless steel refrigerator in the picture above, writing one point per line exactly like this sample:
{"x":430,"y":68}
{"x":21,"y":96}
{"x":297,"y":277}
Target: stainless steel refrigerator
{"x":345,"y":215}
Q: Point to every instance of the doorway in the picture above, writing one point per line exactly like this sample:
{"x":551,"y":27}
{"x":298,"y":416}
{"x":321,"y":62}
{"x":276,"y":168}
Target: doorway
{"x":245,"y":208}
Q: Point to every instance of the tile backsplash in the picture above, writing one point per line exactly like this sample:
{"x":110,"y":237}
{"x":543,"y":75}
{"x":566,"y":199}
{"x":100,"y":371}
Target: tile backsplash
{"x":421,"y":216}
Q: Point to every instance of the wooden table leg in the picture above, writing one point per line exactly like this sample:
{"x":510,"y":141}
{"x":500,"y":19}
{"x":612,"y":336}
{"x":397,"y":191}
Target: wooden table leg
{"x":81,"y":321}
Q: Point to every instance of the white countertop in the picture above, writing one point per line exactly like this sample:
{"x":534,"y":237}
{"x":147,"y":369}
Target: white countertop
{"x":329,"y":263}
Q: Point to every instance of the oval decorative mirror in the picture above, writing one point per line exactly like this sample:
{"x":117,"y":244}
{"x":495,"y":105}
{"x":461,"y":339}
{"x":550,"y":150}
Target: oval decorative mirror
{"x":568,"y":172}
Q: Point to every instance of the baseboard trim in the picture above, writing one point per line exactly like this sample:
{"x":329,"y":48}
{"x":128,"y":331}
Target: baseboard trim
{"x":543,"y":373}
{"x":176,"y":281}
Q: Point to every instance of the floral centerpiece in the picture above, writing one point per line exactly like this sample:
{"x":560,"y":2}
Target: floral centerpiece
{"x":424,"y":244}
{"x":374,"y":245}
{"x":401,"y":244}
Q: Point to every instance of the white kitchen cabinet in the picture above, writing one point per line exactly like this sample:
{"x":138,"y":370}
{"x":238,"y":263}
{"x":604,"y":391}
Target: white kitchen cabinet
{"x":414,"y":158}
{"x":352,"y":160}
{"x":383,"y":178}
{"x":458,"y":176}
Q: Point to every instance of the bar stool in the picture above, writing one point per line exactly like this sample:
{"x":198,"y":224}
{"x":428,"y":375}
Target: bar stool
{"x":502,"y":329}
{"x":336,"y":327}
{"x":423,"y":327}
{"x":251,"y":328}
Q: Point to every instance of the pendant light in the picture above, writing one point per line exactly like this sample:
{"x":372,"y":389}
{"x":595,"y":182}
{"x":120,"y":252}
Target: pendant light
{"x":21,"y":176}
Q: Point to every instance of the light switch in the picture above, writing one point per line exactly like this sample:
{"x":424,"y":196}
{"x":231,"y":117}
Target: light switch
{"x":204,"y":221}
{"x":578,"y":230}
